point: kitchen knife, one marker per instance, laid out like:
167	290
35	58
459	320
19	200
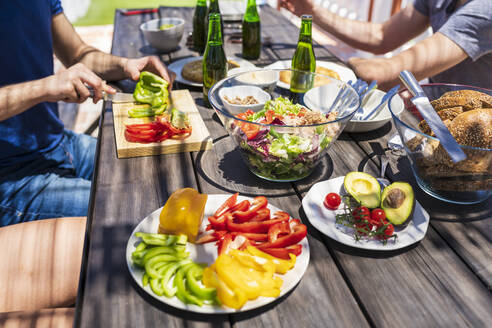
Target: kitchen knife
425	109
118	97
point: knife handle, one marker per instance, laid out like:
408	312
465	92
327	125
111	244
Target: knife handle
105	95
411	84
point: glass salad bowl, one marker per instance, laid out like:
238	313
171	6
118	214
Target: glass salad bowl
280	137
465	182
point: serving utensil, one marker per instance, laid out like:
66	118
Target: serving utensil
425	109
382	180
359	86
379	107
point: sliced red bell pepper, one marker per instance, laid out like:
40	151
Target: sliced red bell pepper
262	215
230	202
219	223
253	236
258	203
241	206
206	238
283	253
251	227
224	244
278	229
298	232
210	237
283	215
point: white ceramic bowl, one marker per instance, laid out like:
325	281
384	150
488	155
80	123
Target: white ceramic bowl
265	79
163	40
243	91
369	102
322	97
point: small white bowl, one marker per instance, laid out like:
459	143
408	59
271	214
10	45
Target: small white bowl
243	91
163	40
369	102
264	79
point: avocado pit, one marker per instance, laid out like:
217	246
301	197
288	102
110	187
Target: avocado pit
395	198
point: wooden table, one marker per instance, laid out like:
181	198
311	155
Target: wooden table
445	280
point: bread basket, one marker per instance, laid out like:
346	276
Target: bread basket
467	112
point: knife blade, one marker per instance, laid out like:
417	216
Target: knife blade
425	109
118	97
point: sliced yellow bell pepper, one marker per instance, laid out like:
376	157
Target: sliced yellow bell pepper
232	298
281	266
182	214
252	282
252	261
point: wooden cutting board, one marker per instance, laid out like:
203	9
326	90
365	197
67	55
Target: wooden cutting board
198	140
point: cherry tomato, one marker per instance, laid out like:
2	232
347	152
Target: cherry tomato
378	217
332	201
360	213
390	230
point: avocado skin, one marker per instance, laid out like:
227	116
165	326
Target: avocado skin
370	200
400	215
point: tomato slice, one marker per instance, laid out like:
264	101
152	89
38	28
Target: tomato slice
249	129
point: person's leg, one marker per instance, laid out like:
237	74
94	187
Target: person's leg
82	149
40	263
57	184
45	318
43	196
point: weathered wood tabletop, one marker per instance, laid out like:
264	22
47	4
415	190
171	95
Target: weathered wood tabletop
445	280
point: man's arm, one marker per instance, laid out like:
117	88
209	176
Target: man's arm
67	85
373	37
427	58
70	49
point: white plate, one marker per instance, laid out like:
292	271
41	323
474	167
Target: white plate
345	73
207	253
323	219
177	67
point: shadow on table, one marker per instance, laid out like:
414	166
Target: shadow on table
370	135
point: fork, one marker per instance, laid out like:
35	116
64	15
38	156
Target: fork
384	163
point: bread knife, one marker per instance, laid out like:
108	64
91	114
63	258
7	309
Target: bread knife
425	109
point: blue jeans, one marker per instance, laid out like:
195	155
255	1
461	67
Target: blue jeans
57	184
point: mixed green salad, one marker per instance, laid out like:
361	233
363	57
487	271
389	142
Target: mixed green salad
289	146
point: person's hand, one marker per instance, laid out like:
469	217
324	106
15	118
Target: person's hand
153	64
381	70
72	85
298	7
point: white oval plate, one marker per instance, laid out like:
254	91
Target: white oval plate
345	73
177	67
323	219
207	253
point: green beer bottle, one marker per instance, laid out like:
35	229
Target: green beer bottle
303	59
214	58
251	32
213	9
199	29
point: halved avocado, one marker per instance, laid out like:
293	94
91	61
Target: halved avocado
364	188
397	202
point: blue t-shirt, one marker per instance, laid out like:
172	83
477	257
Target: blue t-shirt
27	54
470	27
